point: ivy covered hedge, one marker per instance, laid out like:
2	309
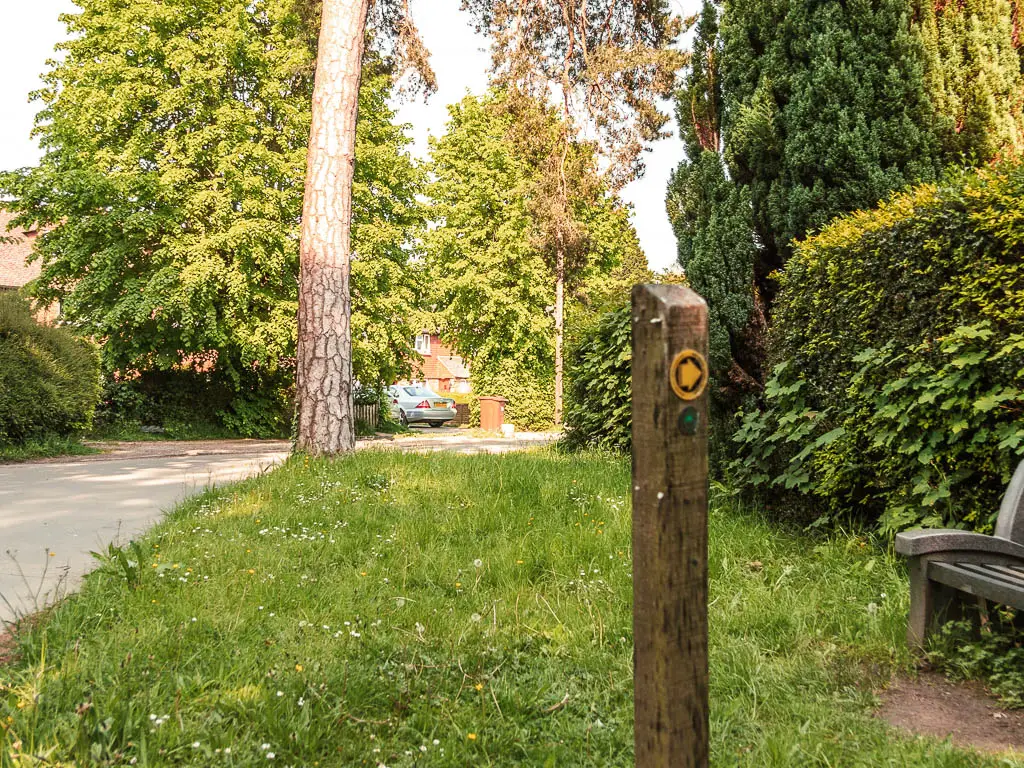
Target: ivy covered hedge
598	403
898	353
49	378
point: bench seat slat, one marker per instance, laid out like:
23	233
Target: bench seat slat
994	572
979	581
1002	572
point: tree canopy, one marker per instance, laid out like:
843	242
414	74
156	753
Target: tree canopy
793	112
492	282
175	139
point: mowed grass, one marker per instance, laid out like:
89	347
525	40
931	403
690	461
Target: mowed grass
404	610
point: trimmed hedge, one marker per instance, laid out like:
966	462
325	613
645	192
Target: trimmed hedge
530	394
49	378
898	353
598	407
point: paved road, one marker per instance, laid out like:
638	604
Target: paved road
71	508
53	513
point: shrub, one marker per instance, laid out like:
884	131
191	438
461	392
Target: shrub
530	394
598	411
898	390
49	378
188	404
994	654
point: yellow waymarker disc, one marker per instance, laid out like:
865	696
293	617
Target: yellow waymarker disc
689	375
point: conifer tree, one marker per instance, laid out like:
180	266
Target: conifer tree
974	75
711	217
825	110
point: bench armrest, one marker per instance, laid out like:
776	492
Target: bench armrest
927	542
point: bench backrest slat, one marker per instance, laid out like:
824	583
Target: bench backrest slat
1010	524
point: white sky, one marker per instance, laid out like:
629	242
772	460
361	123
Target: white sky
459	58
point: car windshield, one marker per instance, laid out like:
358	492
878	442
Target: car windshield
418	392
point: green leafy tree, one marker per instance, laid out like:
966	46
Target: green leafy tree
175	138
489	260
605	64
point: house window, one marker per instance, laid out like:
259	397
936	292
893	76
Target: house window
422	343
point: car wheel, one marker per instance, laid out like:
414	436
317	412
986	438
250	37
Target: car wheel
436	424
403	418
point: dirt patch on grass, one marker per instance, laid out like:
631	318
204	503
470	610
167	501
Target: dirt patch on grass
8	646
964	712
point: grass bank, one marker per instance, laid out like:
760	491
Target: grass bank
43	448
446	611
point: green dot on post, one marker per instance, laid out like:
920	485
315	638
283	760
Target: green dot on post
689	420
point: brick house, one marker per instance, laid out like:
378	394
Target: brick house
15	272
442	370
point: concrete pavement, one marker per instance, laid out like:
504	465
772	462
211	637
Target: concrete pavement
52	513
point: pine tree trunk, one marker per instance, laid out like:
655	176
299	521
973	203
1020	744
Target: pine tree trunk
326	423
559	331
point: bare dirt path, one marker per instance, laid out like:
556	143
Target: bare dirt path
54	511
965	713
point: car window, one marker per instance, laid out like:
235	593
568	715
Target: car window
420	392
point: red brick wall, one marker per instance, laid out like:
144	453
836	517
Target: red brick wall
430	368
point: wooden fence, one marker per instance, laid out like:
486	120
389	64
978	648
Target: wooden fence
368	414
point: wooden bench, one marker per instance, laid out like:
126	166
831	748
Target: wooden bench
945	565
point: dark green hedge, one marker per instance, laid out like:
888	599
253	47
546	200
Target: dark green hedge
188	404
598	408
49	379
898	354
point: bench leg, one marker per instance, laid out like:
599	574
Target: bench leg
923	594
931	602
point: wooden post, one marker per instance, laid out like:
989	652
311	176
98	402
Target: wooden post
670	527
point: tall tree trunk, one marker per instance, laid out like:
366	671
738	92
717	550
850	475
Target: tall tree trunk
326	423
559	330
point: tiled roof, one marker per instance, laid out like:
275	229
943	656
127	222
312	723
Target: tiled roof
14	272
455	366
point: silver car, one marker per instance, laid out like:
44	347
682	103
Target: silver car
416	403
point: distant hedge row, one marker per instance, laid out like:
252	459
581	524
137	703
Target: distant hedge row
898	354
530	392
49	379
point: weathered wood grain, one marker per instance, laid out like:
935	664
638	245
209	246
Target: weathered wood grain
670	535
